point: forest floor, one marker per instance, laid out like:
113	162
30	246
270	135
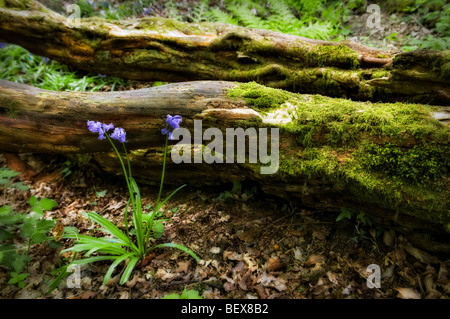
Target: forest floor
250	245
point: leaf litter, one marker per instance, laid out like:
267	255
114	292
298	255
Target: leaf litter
253	248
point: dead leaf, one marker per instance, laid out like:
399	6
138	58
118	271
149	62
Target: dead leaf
87	295
315	259
442	277
229	286
183	266
421	255
408	293
333	278
164	275
274	264
245	280
389	238
270	281
261	291
214	250
240	267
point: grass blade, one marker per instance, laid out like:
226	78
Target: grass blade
114	265
180	247
127	273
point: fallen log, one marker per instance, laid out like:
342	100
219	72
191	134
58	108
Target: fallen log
167	50
386	160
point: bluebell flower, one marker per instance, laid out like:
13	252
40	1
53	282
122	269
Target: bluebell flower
119	134
172	121
100	128
2	45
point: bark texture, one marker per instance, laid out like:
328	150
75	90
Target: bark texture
320	165
167	50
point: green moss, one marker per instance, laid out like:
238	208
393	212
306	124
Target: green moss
259	96
417	165
338	56
385	153
380	74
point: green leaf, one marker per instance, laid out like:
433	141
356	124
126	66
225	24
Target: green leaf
9	219
45	225
345	214
128	270
20	186
158	229
190	294
109	227
180	247
70	230
28	227
114	265
19	262
38	237
4	235
33	201
47	204
102	193
5	210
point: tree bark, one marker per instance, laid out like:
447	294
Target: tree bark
319	175
166	50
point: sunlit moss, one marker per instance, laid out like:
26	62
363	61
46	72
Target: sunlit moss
386	153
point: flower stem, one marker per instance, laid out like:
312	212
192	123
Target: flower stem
163	172
127	179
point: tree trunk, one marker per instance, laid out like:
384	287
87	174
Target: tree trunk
386	160
166	50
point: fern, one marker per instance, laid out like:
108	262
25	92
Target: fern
218	15
245	13
200	12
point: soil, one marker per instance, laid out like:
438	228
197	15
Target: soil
250	245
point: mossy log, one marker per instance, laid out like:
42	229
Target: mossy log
167	50
389	160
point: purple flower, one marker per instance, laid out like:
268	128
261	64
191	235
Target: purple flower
119	134
172	121
166	131
2	45
100	128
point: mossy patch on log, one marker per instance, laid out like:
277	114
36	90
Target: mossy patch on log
392	154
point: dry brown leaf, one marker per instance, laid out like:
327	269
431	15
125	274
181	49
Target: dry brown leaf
261	291
183	266
229	286
334	278
315	259
421	255
274	264
270	281
408	293
87	295
389	238
164	275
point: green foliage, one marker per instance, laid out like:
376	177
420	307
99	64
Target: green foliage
19	65
19	231
418	165
6	181
345	214
132	245
186	294
18	279
304	18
